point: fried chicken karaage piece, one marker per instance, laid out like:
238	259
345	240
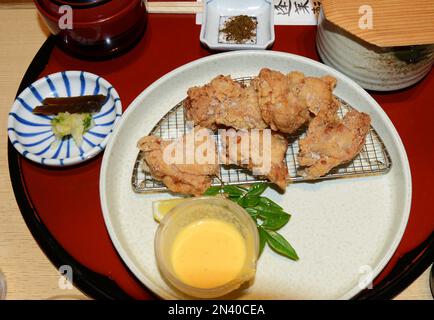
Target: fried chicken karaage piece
280	107
314	93
287	102
186	165
331	141
261	151
226	102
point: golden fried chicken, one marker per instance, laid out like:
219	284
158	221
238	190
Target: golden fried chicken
316	94
185	165
280	107
224	102
261	151
331	141
242	112
288	101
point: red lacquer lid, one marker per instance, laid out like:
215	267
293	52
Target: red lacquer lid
97	28
88	11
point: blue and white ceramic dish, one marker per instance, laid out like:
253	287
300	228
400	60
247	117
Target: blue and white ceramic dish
32	135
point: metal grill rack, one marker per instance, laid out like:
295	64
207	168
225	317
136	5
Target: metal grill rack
372	160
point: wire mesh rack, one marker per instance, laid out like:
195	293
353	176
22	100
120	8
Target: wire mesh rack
372	160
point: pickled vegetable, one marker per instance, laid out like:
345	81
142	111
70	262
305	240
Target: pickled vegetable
74	124
81	104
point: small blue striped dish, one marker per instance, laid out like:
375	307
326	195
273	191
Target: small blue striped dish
32	134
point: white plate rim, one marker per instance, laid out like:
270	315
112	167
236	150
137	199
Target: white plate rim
386	121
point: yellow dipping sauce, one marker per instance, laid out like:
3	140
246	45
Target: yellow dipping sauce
208	253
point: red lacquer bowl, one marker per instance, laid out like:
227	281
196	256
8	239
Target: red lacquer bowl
94	28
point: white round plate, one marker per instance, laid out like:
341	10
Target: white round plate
345	231
32	134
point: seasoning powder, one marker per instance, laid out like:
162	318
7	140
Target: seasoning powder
238	29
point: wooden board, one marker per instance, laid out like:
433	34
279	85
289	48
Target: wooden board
17	4
395	22
177	7
29	274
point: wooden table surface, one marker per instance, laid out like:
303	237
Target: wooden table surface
29	274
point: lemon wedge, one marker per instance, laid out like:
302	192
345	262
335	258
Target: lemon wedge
162	207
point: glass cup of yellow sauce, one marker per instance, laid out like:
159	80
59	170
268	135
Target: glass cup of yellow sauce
207	247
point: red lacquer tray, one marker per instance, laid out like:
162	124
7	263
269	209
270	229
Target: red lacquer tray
72	232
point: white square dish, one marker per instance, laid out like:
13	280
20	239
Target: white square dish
216	12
